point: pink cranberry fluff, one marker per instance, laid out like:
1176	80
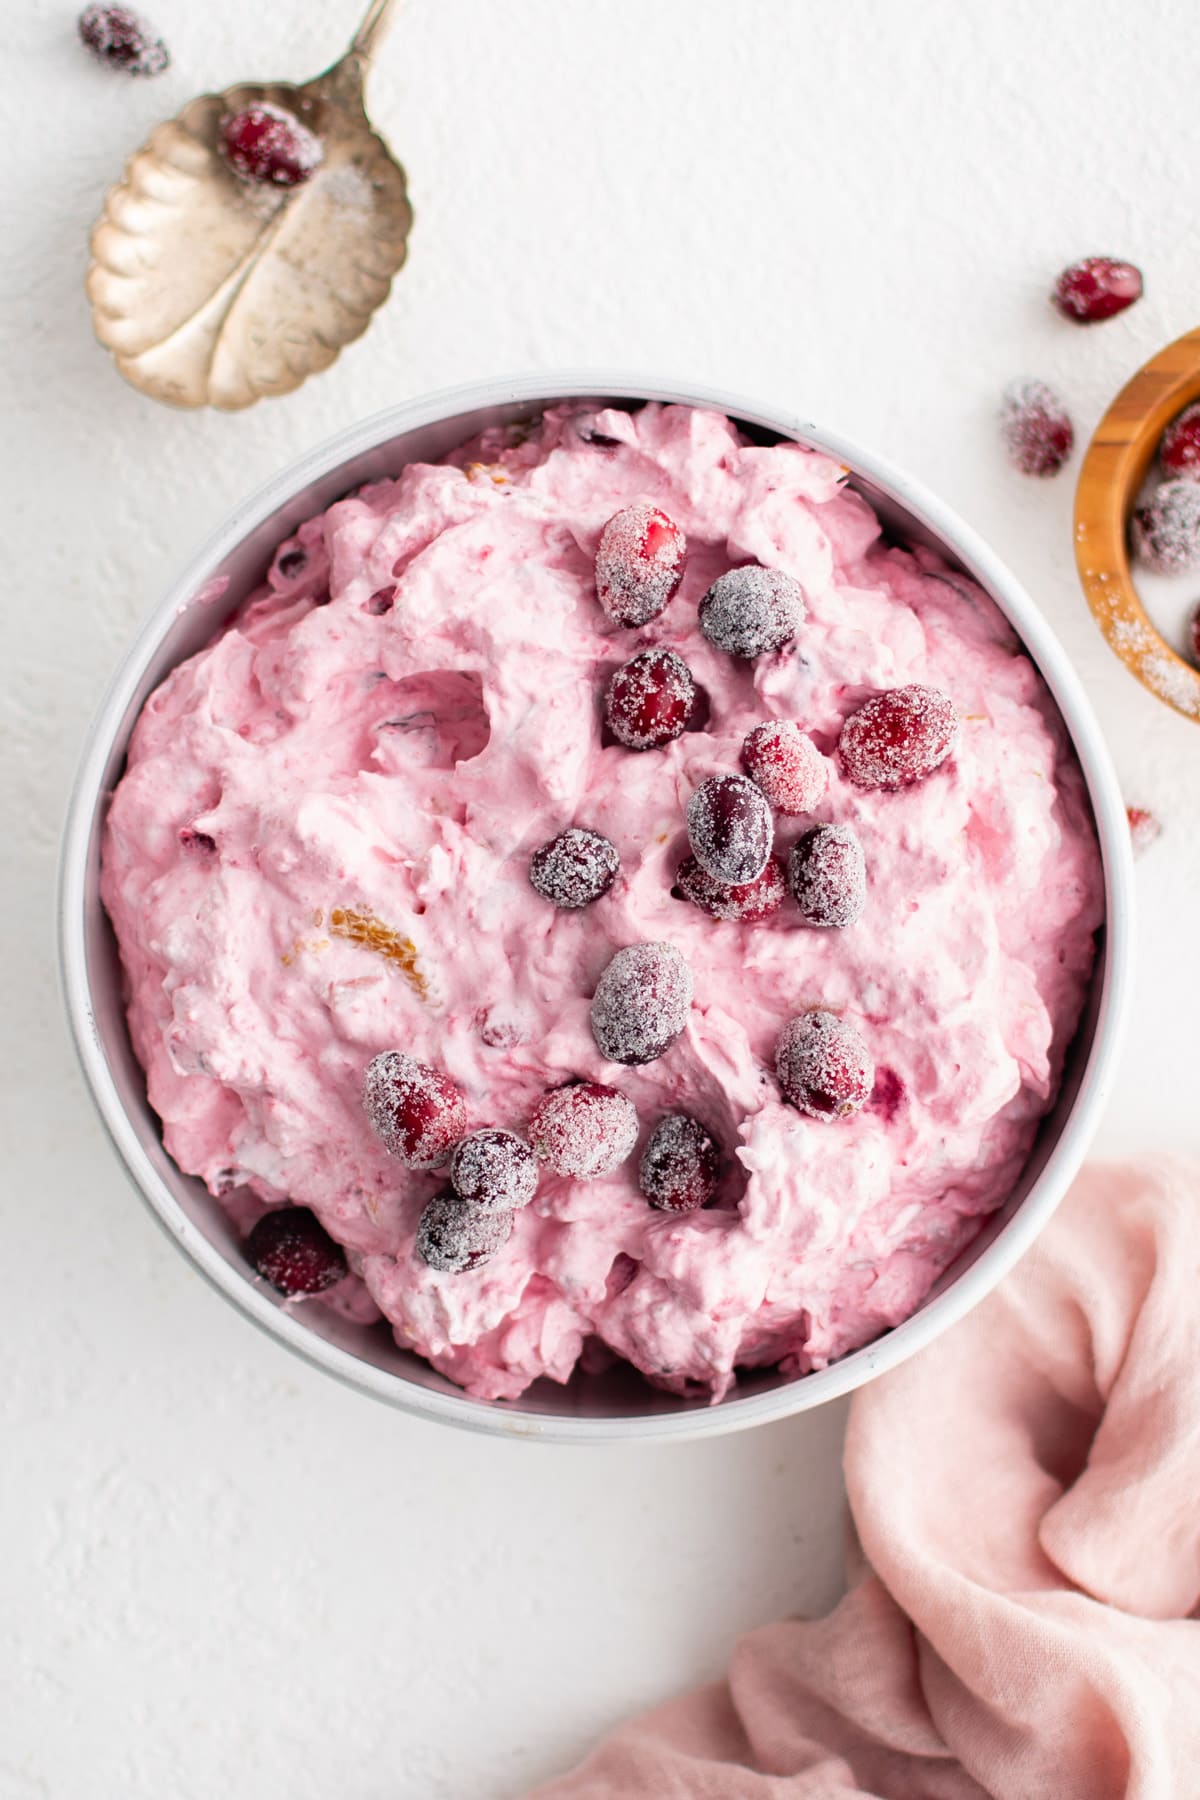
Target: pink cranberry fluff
639	563
268	146
417	1114
823	1066
1097	288
786	764
1036	428
1179	452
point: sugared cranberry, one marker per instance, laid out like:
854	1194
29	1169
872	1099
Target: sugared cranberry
418	1114
120	37
454	1236
1096	288
1194	634
574	868
751	611
1179	452
381	601
785	763
584	1130
823	1066
292	1250
1166	531
650	700
1144	828
730	828
827	874
680	1165
1036	428
639	564
494	1170
746	901
267	144
898	737
641	1002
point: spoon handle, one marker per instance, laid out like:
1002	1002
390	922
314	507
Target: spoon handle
377	19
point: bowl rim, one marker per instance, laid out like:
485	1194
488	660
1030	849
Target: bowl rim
735	1413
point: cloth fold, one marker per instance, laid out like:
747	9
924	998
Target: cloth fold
1026	1495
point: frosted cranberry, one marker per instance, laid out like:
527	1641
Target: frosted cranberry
751	611
1166	531
1144	828
639	563
267	145
650	700
1194	633
584	1130
120	37
418	1114
292	1250
747	901
823	1066
574	868
827	874
494	1170
786	765
1096	288
898	737
454	1236
1036	428
1179	452
730	828
680	1165
641	1003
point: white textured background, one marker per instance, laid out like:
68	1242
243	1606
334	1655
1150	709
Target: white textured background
223	1575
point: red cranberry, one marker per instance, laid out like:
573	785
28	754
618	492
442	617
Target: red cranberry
417	1113
730	828
1037	430
823	1066
292	1250
454	1236
639	564
680	1165
747	901
898	737
1179	452
1096	288
191	839
827	874
786	765
120	37
574	868
292	564
641	1003
381	601
751	611
494	1170
1166	531
264	143
584	1130
650	700
1144	828
1194	633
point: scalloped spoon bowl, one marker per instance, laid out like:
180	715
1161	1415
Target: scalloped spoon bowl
214	291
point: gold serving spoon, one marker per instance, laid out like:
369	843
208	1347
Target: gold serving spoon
213	291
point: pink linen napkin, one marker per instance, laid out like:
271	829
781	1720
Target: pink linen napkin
1027	1499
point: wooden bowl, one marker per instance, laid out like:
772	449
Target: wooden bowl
1114	468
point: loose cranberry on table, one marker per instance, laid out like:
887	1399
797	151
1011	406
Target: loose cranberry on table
495	1170
1036	428
680	1165
418	1114
747	902
641	1003
823	1066
650	700
1166	531
292	1250
639	563
1144	828
454	1236
827	874
1179	452
785	763
751	611
730	828
267	145
1097	288
584	1130
898	737
574	868
124	39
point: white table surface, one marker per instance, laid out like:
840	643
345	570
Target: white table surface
223	1574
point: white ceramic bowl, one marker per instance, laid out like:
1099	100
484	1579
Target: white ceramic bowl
617	1405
